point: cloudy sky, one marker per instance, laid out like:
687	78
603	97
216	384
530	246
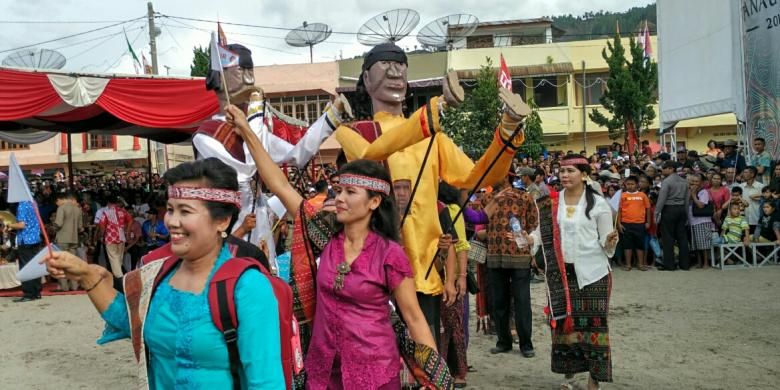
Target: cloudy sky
106	50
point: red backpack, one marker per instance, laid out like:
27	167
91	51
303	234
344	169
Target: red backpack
223	310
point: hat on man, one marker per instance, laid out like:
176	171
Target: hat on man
670	164
384	52
730	142
609	175
526	171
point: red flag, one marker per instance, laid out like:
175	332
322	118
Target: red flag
648	48
221	35
147	66
631	140
504	78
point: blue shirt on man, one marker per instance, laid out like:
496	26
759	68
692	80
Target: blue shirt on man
31	234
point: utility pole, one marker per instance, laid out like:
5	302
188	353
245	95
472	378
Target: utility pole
584	114
153	54
152	37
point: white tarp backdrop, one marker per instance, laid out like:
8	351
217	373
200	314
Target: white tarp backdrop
761	23
699	59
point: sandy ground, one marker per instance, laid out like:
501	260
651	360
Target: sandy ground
669	330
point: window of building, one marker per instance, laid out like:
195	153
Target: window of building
545	91
10	146
100	141
312	111
287	109
518	87
502	40
300	111
596	85
305	108
479	41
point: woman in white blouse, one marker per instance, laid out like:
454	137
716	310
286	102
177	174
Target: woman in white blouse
585	241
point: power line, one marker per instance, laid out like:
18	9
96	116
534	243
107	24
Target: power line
71	35
183	25
608	34
124	51
95	38
58	21
108	38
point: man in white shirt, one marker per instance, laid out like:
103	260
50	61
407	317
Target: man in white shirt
751	193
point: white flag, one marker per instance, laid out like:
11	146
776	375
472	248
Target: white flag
34	269
221	57
18	191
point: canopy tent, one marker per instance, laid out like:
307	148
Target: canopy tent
164	109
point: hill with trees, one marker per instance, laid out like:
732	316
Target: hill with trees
602	24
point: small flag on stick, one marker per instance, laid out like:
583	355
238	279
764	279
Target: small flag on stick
221	58
136	62
504	77
19	191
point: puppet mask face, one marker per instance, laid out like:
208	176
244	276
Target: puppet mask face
386	82
240	82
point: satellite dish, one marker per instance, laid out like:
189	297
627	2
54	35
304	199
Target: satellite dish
444	32
391	26
35	59
308	35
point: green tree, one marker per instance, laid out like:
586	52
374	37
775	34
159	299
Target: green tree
631	90
534	138
200	62
471	126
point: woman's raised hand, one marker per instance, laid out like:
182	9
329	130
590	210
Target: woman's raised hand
236	117
65	265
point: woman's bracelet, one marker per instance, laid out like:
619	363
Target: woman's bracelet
103	276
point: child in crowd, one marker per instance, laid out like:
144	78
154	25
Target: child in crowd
736	198
768	229
767	196
633	222
735	227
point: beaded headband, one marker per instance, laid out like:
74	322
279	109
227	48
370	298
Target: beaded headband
206	193
575	161
366	182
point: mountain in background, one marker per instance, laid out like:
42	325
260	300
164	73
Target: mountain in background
601	24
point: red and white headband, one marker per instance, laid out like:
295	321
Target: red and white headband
368	183
205	193
575	161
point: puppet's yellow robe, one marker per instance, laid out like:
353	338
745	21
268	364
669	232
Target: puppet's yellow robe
403	144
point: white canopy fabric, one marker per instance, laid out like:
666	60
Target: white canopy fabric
700	59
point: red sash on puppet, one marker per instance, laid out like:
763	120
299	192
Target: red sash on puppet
370	130
223	132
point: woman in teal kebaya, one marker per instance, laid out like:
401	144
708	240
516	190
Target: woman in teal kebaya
176	344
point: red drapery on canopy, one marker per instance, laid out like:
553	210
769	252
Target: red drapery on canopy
166	109
161	108
25	94
161	103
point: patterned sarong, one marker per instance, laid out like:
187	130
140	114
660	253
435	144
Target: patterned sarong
586	349
556	283
453	338
425	364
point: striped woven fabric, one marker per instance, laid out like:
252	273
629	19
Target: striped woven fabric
425	364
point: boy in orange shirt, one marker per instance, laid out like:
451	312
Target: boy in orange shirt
633	222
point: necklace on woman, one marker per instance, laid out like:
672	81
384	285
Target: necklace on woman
343	269
570	211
